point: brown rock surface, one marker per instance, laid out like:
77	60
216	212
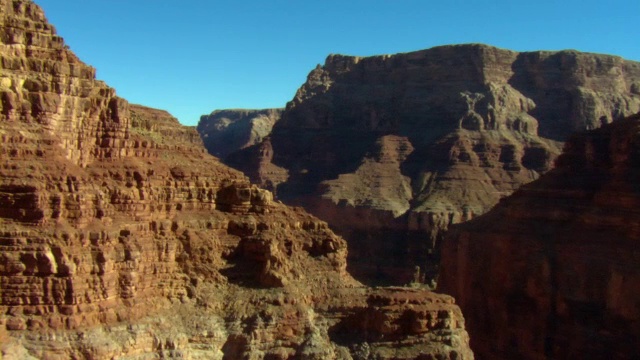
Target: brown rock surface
227	131
257	163
159	124
392	149
121	238
553	271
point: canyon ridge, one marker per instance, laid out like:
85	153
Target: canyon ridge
391	150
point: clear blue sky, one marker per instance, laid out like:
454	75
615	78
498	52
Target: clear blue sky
193	56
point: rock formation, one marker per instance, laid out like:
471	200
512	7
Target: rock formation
227	131
121	238
552	272
160	124
390	150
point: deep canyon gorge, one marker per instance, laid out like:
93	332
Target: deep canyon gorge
320	230
391	150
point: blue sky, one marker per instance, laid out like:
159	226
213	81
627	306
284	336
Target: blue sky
191	57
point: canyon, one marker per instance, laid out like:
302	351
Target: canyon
552	271
508	179
121	237
391	150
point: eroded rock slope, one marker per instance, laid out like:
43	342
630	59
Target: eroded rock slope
553	271
226	131
120	237
391	150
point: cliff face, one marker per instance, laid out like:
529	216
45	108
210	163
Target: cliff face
396	148
552	271
120	237
227	131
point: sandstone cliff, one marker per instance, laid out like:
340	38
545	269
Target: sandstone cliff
552	272
227	131
121	238
391	150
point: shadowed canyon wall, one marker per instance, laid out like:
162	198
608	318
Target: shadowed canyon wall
226	131
120	237
391	150
552	271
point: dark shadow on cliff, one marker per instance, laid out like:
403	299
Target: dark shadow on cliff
243	272
317	155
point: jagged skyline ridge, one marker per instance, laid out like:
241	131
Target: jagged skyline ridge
196	56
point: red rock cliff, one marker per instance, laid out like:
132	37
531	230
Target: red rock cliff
553	272
392	149
120	237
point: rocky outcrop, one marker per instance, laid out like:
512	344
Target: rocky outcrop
397	323
227	131
552	271
160	125
391	150
121	238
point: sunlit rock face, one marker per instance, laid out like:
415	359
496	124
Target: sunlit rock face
391	150
120	237
552	271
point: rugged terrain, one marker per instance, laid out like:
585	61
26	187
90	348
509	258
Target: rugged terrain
391	150
226	131
552	271
120	237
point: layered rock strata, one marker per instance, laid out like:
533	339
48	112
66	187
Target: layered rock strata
162	125
120	237
552	272
391	150
227	131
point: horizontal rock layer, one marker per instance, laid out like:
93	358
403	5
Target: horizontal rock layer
552	271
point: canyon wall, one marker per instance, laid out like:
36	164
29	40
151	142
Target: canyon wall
552	271
227	131
120	237
391	150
